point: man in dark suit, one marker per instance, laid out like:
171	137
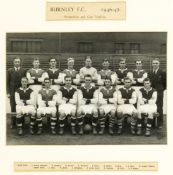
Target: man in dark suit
14	76
158	80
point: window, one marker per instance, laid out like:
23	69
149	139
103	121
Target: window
134	48
163	49
26	45
119	48
85	47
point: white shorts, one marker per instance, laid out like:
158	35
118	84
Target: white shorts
29	109
88	109
126	109
107	108
67	108
147	109
46	110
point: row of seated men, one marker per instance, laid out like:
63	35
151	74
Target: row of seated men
36	77
98	103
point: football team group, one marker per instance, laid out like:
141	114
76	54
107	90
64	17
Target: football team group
103	99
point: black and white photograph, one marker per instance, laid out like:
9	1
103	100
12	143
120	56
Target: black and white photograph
86	88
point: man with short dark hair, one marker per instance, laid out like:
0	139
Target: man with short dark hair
36	77
88	70
47	105
122	71
127	98
108	105
158	82
147	97
138	74
24	98
14	76
106	73
54	74
67	101
88	99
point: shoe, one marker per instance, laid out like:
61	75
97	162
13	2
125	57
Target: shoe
120	130
61	131
111	132
160	126
39	131
13	123
73	130
31	131
147	133
102	130
94	130
81	130
132	130
12	126
53	132
139	131
20	131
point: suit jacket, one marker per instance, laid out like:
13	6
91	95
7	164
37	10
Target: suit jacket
158	80
14	79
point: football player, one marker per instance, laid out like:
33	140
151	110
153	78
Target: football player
88	70
70	71
146	105
138	75
24	98
127	98
88	99
106	73
122	71
36	76
47	105
53	74
108	104
67	101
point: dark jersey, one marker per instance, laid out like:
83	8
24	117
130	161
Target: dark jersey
105	73
147	95
35	74
53	74
126	94
47	96
88	93
108	93
67	93
24	95
71	73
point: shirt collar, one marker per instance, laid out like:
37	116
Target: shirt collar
87	88
47	89
16	68
53	69
123	69
23	89
69	70
156	70
139	70
148	90
109	88
68	89
126	89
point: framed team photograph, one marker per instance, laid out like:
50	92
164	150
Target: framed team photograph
86	88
